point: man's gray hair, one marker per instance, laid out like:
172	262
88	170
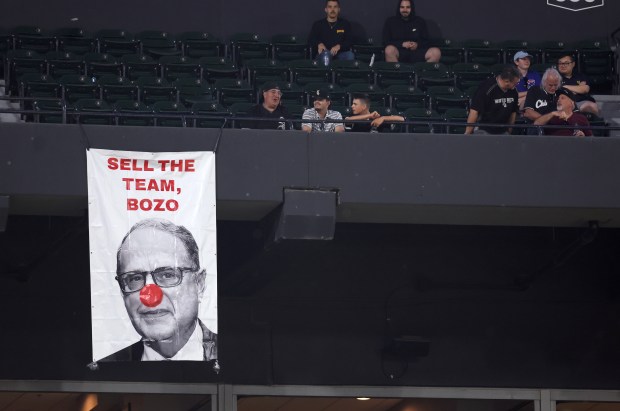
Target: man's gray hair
166	226
550	72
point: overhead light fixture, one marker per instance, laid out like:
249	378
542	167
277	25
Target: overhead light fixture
363	398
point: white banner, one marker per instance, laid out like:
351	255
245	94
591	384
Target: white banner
153	262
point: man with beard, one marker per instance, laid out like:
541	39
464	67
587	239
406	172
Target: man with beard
565	115
321	111
405	37
270	108
332	36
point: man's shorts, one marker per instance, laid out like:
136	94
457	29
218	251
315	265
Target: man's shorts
411	56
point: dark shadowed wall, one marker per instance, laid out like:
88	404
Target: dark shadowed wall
527	19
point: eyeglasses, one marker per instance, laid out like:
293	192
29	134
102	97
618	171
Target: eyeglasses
564	63
133	281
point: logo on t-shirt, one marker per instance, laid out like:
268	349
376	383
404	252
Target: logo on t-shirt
576	5
504	101
541	103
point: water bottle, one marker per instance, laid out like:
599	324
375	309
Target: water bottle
374	130
281	124
372	60
326	58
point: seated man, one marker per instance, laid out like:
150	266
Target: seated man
405	37
529	78
565	115
375	121
331	37
321	111
578	84
495	102
542	100
270	108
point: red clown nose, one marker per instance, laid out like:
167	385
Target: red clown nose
151	295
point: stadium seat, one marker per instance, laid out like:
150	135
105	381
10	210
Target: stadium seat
135	66
18	63
117	42
259	71
76	87
451	52
32	38
197	44
60	63
483	52
445	97
50	111
403	97
214	68
153	89
229	91
387	74
347	72
93	111
432	74
175	67
470	74
286	47
552	50
170	114
365	50
432	122
133	113
455	115
210	115
308	71
113	88
157	44
75	40
596	61
100	64
191	91
247	46
510	47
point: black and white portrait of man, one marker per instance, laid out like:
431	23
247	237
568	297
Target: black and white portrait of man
162	285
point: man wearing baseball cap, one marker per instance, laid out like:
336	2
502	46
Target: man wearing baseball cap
565	115
529	78
270	108
320	113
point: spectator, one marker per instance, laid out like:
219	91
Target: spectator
361	111
495	102
578	84
565	115
269	108
331	37
542	99
321	111
529	78
405	37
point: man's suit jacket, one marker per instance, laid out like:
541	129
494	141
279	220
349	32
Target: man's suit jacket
134	351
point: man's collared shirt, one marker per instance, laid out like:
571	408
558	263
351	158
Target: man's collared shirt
312	114
191	351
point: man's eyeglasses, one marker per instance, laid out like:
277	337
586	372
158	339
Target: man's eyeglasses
163	276
564	63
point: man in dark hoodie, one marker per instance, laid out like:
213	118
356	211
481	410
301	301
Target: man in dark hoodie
405	37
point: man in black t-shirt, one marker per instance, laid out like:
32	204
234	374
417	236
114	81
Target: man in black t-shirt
270	108
495	102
